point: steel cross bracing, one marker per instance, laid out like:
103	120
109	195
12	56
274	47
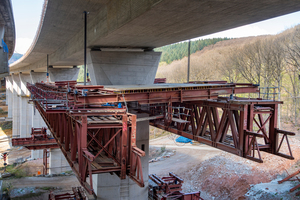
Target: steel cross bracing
241	126
96	133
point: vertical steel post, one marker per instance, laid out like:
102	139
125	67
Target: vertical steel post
47	74
85	27
189	55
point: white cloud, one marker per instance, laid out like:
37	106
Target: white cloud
22	45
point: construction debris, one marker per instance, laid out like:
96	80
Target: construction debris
78	194
288	178
169	188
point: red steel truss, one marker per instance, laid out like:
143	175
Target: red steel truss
244	127
96	133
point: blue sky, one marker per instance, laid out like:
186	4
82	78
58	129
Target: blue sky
27	17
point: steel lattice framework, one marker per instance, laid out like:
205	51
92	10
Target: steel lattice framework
96	132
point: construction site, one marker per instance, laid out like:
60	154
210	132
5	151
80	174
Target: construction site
87	113
101	135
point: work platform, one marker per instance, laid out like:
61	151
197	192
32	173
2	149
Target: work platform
95	128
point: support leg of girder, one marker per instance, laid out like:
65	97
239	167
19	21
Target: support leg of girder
107	186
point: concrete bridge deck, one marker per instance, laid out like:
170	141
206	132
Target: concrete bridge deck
135	24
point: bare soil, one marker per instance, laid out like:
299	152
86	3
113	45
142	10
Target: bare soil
220	175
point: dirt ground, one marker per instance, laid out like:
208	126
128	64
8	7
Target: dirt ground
41	186
220	175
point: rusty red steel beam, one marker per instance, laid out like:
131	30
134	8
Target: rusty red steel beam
209	122
93	143
32	144
78	98
169	187
82	141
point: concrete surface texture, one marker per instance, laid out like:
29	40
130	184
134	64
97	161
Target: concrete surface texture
25	116
136	23
7	20
37	120
122	68
38	77
4	70
107	186
16	105
63	74
9	93
57	162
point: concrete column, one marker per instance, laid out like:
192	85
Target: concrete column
16	105
37	77
107	186
25	107
2	31
63	74
57	162
37	120
122	68
4	70
9	93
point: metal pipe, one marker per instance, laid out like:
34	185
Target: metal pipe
47	74
85	27
189	54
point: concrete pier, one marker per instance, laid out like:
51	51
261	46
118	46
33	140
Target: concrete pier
122	68
25	107
63	74
16	105
9	97
58	162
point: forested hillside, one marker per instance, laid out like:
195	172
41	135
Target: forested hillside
270	61
14	58
180	50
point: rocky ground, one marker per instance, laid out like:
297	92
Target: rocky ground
220	175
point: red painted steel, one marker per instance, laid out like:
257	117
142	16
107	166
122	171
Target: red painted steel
96	133
38	140
288	178
233	125
169	187
77	194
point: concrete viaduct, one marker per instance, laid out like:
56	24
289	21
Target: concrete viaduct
7	36
121	35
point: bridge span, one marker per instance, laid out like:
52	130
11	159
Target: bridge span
135	24
121	36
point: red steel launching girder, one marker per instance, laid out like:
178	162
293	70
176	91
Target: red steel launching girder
95	132
233	125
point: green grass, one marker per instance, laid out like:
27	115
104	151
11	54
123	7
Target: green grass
47	188
28	196
6	125
16	171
